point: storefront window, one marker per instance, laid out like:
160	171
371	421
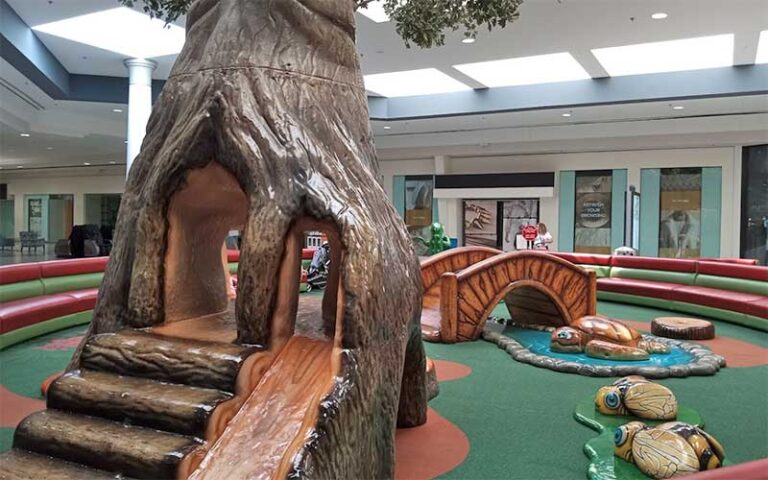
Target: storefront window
680	213
481	223
517	214
418	208
592	233
754	203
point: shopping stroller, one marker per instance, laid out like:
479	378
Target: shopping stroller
317	274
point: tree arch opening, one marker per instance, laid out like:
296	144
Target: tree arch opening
200	215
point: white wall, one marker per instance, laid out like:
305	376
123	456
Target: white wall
76	185
725	157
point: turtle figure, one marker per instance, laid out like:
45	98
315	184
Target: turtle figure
601	337
635	395
669	449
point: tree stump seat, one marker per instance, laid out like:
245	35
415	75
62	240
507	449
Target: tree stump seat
682	328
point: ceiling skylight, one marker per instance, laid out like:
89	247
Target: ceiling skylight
669	56
375	11
427	81
554	67
120	30
762	48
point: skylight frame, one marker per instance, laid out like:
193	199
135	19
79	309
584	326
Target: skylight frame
119	30
375	12
680	55
531	70
411	83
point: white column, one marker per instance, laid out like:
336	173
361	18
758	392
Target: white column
139	105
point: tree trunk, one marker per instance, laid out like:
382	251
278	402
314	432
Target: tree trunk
271	90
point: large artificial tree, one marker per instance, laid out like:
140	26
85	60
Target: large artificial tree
263	125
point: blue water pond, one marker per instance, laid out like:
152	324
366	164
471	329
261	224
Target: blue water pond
538	342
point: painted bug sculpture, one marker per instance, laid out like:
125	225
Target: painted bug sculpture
668	450
635	395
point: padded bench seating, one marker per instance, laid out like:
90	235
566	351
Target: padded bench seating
28	311
729	290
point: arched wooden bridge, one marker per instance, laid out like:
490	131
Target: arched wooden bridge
462	286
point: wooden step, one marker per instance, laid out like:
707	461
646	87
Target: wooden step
167	359
22	465
166	406
103	444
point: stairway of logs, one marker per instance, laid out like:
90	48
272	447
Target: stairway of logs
138	407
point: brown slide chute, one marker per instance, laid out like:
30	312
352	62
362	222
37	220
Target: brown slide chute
262	125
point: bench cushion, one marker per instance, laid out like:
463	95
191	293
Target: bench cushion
654	275
732	284
72	282
747	272
22	313
19	273
632	286
585	258
747	303
652	263
19	290
60	268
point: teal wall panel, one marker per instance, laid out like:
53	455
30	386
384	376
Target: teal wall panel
711	200
566	211
398	194
618	207
650	190
435	211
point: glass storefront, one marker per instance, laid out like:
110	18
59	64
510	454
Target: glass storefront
754	203
418	208
680	213
516	215
593	203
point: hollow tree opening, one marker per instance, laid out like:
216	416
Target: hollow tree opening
314	316
200	215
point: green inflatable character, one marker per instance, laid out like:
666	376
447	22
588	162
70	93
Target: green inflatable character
438	242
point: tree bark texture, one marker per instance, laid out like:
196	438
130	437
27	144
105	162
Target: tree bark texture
272	91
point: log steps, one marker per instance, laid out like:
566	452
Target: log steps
137	407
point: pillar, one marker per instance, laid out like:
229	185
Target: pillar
139	105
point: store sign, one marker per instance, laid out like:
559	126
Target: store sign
530	232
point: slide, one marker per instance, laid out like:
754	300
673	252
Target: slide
263	437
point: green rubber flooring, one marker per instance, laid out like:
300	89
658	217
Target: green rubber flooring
518	418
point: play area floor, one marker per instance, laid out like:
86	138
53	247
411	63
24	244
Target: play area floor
494	418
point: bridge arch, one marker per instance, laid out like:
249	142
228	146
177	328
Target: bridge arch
468	297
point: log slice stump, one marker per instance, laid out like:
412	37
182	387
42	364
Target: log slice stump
683	328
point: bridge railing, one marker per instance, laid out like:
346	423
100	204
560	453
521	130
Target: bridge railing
452	260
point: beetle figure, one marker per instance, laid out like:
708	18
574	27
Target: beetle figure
635	395
669	449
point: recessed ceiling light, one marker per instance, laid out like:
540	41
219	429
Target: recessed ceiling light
117	110
375	11
121	30
387	127
426	81
24	134
19	166
468	40
678	107
554	67
86	163
125	141
566	114
659	16
49	148
668	56
112	162
762	48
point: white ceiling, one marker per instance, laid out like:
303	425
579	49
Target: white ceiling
81	132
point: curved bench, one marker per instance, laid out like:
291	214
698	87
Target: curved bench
732	291
43	297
